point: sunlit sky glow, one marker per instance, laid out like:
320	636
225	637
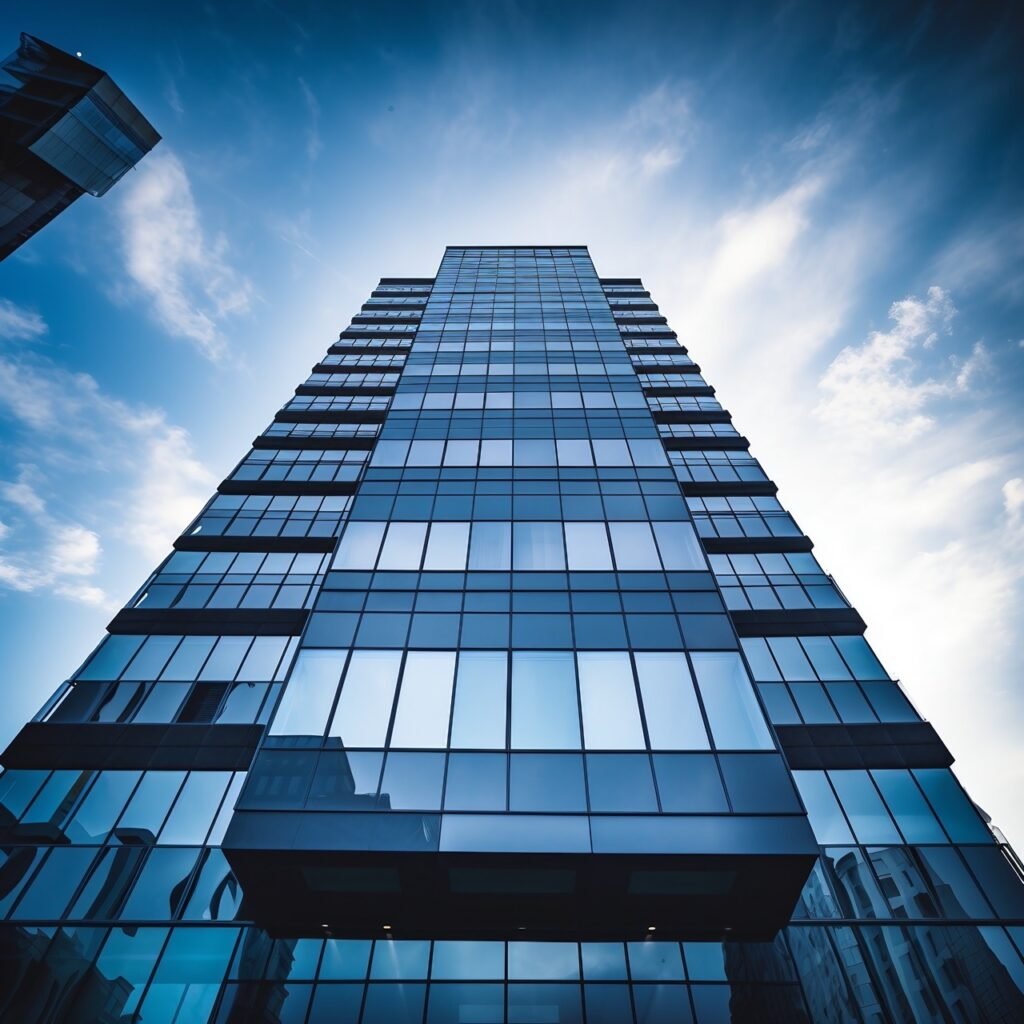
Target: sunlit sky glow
825	200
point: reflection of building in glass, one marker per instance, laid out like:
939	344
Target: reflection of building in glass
65	130
496	684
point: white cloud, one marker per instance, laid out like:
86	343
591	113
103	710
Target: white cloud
1013	501
754	241
169	490
874	391
73	431
20	324
74	550
187	277
50	554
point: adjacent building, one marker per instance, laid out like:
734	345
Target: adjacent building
65	130
496	684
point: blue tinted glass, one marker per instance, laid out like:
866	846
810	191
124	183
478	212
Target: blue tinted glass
226	657
546	782
345	959
689	783
309	694
394	958
823	809
469	961
560	1002
478	718
705	961
394	1004
148	807
954	810
758	783
188	659
128	957
603	961
607	1004
105	801
670	703
476	782
620	782
762	665
346	780
456	1003
152	657
110	659
860	657
336	1004
824	658
51	889
412	781
611	717
911	811
868	816
655	961
159	888
545	713
662	1004
791	658
17	788
194	810
543	961
736	719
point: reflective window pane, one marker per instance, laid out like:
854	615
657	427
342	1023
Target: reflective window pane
736	719
367	694
309	693
611	718
674	720
481	689
424	700
545	713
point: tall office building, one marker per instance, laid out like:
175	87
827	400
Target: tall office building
495	684
65	129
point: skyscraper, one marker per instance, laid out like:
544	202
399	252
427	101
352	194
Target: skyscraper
495	683
65	129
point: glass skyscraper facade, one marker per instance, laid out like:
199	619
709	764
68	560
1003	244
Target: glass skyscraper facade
496	684
65	130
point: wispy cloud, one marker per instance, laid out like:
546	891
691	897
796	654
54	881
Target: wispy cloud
186	275
661	122
314	143
20	324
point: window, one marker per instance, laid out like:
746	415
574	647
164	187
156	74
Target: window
478	719
367	694
611	717
674	720
538	546
587	546
545	713
733	712
634	546
359	546
309	694
424	701
446	549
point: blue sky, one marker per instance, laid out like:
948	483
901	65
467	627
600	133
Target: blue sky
826	201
